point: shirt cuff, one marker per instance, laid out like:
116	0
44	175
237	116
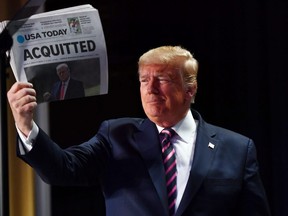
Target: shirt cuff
27	142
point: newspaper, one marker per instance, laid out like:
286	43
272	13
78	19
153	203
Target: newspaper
59	45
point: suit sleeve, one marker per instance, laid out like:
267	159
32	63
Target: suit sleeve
78	165
254	201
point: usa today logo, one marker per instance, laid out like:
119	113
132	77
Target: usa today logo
20	39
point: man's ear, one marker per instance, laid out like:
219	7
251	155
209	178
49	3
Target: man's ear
191	91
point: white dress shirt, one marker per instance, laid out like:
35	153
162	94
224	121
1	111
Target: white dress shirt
29	140
184	145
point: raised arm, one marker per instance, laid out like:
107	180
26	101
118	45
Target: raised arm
22	100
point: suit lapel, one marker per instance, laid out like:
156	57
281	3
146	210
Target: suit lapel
205	149
149	147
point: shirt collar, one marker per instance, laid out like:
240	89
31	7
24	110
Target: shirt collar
185	129
67	81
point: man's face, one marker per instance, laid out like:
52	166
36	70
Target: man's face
164	97
63	73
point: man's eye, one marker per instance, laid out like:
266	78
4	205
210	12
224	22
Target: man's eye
163	80
143	80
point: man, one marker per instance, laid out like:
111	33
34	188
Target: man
66	87
215	172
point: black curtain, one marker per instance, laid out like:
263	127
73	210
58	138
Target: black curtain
242	49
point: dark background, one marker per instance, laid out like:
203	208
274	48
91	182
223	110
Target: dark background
242	50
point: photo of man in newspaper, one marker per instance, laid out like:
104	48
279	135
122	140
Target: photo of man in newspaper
66	87
65	80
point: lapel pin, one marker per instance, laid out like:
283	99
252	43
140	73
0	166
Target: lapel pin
210	145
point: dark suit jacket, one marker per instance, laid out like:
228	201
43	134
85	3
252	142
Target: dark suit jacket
75	89
125	155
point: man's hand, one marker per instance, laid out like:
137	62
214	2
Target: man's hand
22	100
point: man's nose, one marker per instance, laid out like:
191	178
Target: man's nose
152	87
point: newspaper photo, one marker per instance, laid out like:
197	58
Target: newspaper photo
62	52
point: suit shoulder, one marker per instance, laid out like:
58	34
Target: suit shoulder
76	82
218	131
227	134
230	141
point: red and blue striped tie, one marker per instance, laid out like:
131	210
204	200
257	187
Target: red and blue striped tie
169	160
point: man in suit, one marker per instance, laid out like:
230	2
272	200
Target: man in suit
215	171
66	87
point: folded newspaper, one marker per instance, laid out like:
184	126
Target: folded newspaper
62	52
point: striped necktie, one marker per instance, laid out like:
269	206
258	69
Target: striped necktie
169	160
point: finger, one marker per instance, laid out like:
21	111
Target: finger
22	98
25	102
19	85
28	93
20	90
15	91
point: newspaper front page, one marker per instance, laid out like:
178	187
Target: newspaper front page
62	52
